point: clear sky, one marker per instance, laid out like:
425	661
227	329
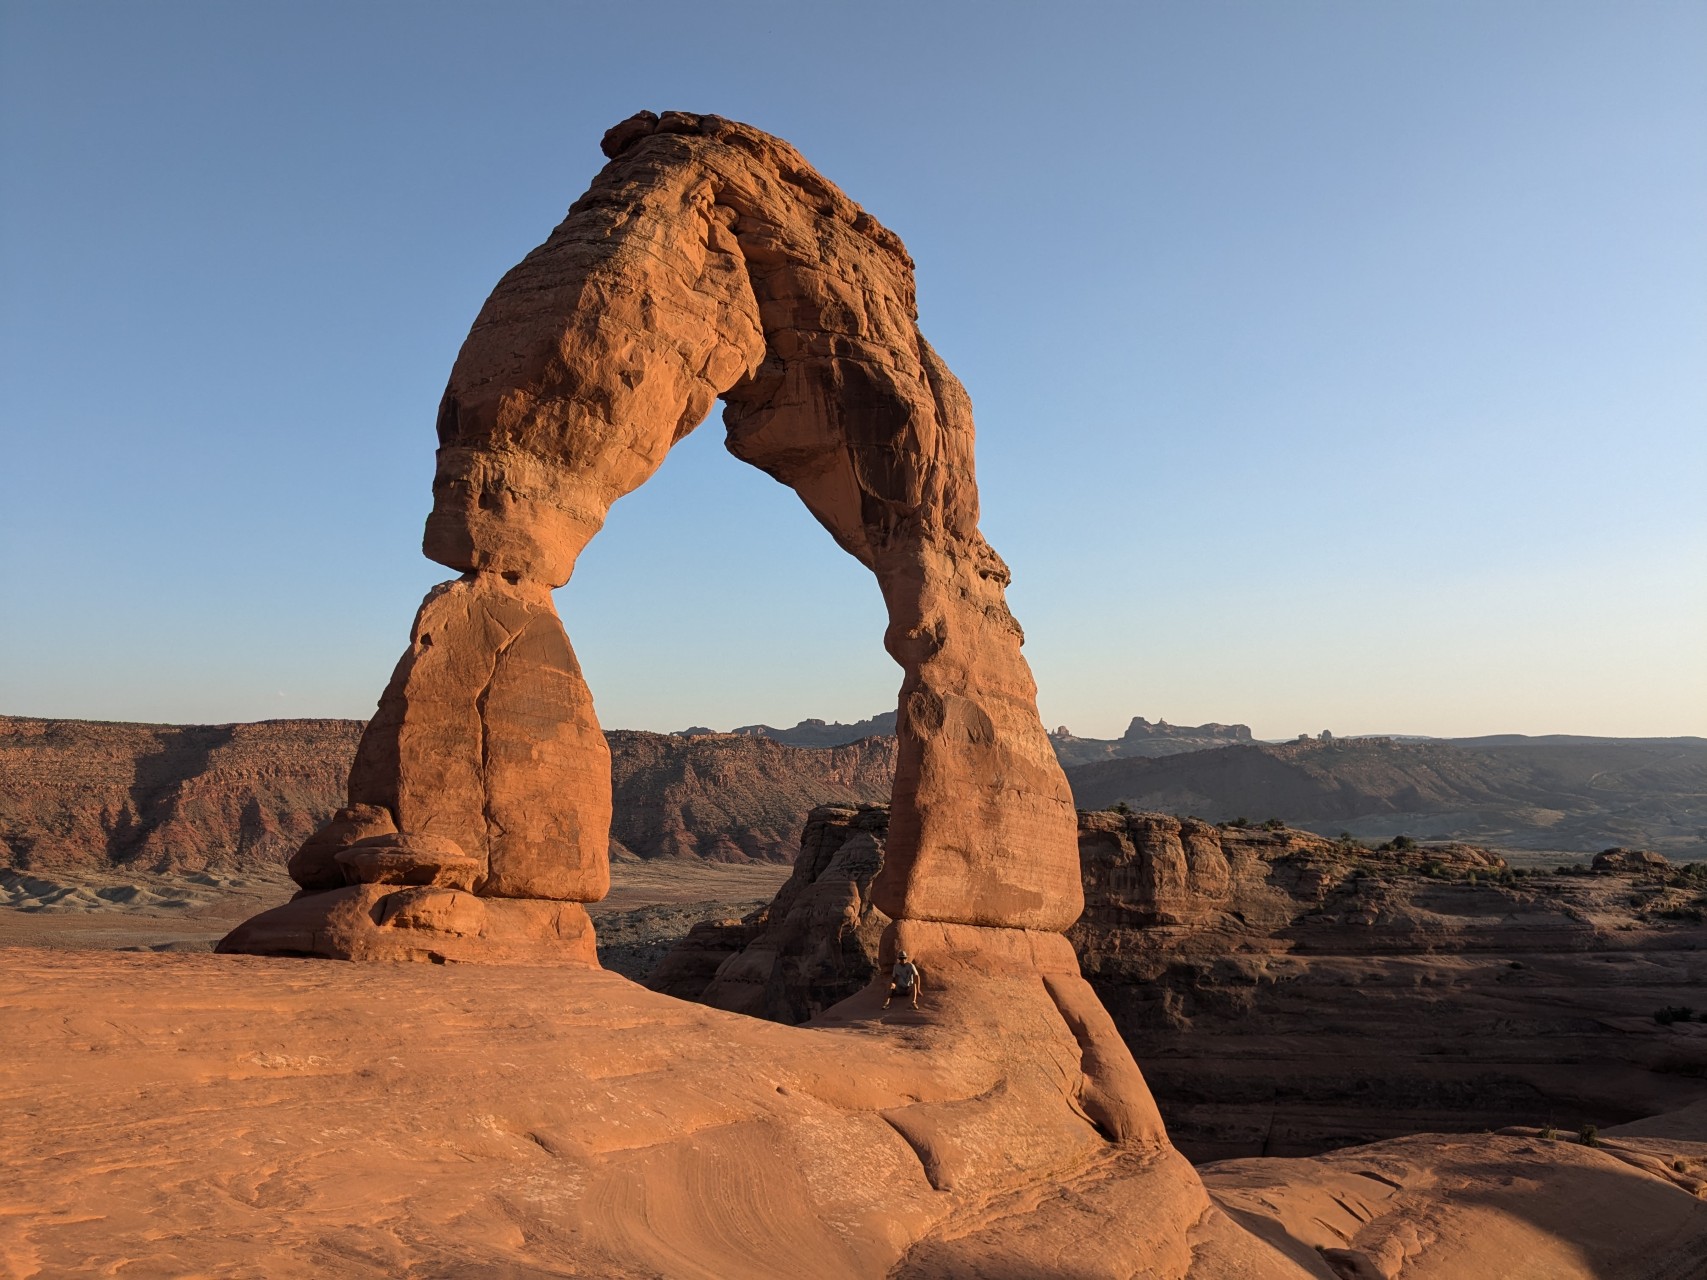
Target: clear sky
1336	364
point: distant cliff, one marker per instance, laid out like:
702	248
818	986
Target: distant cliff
1143	739
1561	792
817	733
732	798
79	794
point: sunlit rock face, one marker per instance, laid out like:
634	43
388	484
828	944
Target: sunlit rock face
708	260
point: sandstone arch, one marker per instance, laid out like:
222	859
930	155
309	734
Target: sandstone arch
707	260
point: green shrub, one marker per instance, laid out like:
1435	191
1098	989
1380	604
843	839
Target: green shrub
1673	1013
1589	1136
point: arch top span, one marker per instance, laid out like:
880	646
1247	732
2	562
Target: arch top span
708	261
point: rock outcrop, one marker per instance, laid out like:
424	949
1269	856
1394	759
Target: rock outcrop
1290	994
814	945
1640	861
1145	739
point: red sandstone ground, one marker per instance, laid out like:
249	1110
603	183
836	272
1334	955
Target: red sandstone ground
233	1116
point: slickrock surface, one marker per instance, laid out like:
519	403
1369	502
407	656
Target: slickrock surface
1513	1205
234	1116
1287	994
243	1116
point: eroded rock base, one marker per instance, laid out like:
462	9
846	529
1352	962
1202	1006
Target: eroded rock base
423	923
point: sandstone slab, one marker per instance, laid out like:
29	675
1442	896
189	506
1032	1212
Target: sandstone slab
411	859
422	924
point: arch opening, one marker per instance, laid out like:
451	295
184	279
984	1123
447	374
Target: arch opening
706	262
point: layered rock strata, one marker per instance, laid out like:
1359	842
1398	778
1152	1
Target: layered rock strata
81	795
91	797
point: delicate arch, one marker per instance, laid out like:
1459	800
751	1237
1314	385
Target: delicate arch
708	260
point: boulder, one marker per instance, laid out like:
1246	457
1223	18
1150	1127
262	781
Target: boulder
1640	861
315	864
411	859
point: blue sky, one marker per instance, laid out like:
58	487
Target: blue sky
1335	364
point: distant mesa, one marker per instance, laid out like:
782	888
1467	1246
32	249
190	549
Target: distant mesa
1143	739
811	733
1567	793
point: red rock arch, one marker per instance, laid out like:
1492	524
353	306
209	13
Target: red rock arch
707	260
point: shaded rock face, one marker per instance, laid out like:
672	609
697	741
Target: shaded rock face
734	798
1290	994
815	944
709	261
